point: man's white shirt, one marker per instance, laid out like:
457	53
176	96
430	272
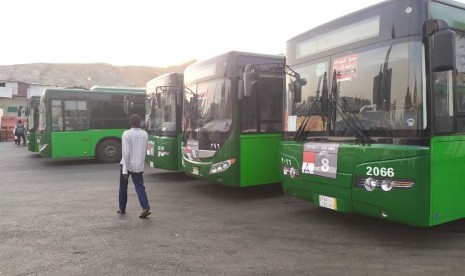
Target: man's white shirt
134	149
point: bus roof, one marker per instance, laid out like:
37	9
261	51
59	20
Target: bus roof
217	66
169	79
233	54
116	88
381	22
98	91
356	14
163	79
166	76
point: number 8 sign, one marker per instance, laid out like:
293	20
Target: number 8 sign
320	159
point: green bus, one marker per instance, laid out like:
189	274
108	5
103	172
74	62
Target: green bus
379	128
231	137
32	113
163	121
80	123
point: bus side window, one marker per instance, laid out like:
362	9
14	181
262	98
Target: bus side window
461	102
76	115
443	102
57	117
249	112
270	104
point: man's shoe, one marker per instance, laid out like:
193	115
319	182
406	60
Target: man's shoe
145	213
121	212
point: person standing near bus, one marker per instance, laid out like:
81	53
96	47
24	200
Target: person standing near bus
20	130
134	148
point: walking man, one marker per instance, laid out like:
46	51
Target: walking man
134	148
20	130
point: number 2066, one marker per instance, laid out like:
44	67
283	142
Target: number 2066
380	171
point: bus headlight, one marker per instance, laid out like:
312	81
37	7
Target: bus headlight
291	171
286	170
221	166
386	185
370	183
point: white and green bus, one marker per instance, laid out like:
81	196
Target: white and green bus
231	134
80	123
379	128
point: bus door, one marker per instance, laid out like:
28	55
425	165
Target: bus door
70	129
448	143
261	126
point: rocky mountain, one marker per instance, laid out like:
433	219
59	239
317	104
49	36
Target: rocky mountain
85	75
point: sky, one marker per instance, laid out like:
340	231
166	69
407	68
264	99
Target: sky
156	33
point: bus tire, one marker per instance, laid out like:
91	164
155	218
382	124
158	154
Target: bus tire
109	151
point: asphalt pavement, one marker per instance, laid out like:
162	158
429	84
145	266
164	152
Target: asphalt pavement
59	218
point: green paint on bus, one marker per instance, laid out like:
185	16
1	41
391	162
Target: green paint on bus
163	121
79	123
378	126
231	133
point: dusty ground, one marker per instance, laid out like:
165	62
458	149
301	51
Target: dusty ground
58	218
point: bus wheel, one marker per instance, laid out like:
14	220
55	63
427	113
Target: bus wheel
109	151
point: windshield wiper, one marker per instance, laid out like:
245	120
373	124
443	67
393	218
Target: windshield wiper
349	118
318	102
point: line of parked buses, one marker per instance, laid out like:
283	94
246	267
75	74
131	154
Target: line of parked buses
363	114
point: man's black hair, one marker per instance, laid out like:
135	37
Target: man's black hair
135	120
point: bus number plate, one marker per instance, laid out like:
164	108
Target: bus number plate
195	170
328	202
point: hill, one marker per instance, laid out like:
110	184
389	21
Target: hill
85	75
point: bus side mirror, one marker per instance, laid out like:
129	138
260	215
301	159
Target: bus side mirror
158	102
126	104
148	106
178	95
248	78
240	90
443	51
442	46
297	88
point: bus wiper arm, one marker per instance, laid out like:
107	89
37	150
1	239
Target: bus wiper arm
351	121
312	111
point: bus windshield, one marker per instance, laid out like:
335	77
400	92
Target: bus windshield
378	91
210	106
162	116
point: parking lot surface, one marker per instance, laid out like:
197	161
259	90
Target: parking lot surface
59	218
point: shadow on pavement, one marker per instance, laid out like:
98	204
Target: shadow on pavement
236	193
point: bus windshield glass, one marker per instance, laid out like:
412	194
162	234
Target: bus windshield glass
209	107
162	117
378	90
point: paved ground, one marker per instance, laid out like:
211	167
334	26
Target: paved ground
58	218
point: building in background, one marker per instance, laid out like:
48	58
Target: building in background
13	101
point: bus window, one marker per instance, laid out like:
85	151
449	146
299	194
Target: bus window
75	113
270	104
442	92
460	55
309	109
249	112
57	118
